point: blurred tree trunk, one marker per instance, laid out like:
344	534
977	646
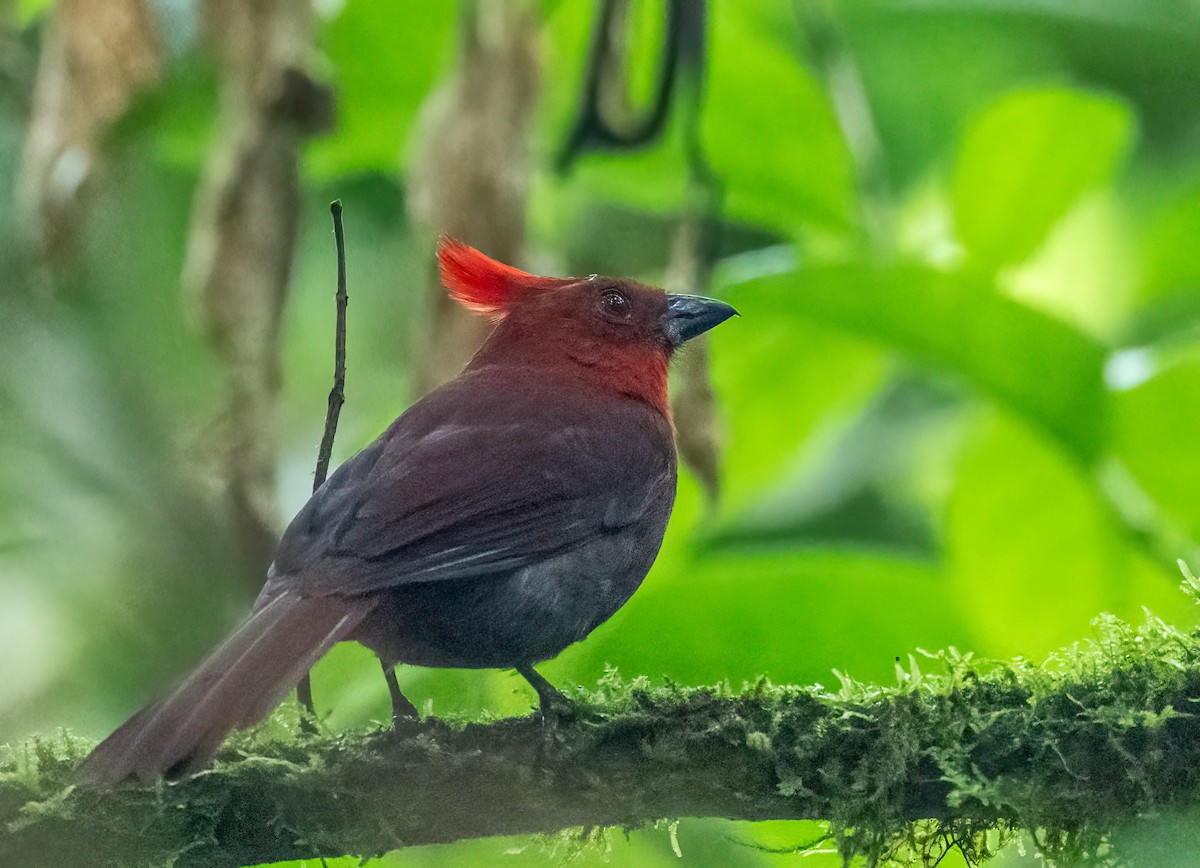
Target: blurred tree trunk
243	236
470	175
698	430
95	58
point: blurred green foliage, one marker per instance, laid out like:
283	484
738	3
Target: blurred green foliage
959	405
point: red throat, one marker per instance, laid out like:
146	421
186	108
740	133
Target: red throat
640	374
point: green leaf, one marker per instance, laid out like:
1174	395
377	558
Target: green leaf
966	61
864	479
777	146
784	614
1033	552
383	73
1046	371
1155	436
774	398
1026	160
1171	254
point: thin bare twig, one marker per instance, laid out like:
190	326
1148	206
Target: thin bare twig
337	397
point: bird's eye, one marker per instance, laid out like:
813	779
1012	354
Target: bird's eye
614	304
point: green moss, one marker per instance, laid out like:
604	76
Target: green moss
959	753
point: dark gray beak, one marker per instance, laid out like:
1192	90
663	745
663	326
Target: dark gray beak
690	315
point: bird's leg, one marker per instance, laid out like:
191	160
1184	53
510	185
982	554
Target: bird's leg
401	708
549	699
308	712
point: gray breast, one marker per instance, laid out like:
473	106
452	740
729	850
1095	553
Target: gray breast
522	616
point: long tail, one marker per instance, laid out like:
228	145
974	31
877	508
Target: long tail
236	686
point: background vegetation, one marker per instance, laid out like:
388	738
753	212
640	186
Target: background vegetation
959	408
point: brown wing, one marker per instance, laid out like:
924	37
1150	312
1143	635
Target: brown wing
480	477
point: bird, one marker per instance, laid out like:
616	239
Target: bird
498	520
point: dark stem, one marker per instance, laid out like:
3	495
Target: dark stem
682	57
337	397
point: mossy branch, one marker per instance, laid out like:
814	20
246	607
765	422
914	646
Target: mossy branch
956	754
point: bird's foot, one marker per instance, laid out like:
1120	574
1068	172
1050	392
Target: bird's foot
405	727
556	710
558	713
404	717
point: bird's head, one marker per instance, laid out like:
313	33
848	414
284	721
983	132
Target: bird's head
621	331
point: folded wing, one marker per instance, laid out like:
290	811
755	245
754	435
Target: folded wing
450	491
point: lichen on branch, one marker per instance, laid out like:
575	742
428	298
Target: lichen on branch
958	753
